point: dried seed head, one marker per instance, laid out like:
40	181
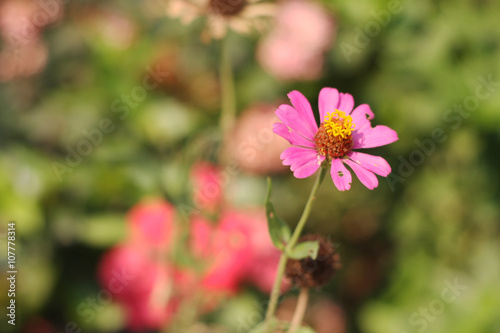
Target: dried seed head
226	7
307	273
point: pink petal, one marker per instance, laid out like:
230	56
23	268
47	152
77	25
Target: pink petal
373	137
340	175
372	163
308	168
346	103
303	161
291	136
366	177
293	120
295	155
309	158
303	107
327	102
361	117
330	99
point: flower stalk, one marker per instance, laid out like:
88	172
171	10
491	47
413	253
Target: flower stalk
273	301
228	99
300	310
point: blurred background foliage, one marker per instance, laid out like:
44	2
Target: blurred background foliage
435	221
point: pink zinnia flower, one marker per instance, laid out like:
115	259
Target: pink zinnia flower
342	129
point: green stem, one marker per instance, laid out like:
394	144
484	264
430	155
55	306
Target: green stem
307	210
228	99
275	293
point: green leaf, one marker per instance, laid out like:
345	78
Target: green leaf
278	229
304	250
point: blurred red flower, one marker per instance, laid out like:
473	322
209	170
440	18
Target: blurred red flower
206	181
151	282
236	250
142	285
152	223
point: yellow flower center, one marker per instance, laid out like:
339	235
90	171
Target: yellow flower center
334	136
338	124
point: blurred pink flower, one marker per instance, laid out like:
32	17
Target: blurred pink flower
144	287
22	20
262	271
341	130
295	49
25	61
150	284
225	250
206	181
152	223
23	53
251	142
15	22
236	250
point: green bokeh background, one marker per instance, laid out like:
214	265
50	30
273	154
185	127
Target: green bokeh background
434	221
